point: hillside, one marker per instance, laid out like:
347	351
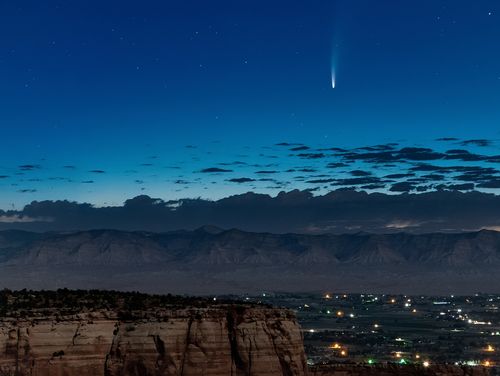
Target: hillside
210	260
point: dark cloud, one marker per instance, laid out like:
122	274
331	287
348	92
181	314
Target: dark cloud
214	170
4	176
338	150
490	183
336	165
88	182
383	147
429	168
373	186
417	180
98	171
385	153
464	155
268	179
493	159
29	167
235	163
422	188
360	173
433	177
478	142
339	211
447	139
456	187
70	167
266	172
304	170
372	157
241	180
27	190
311	155
476	174
358	181
403	187
321	181
300	148
399	176
419	154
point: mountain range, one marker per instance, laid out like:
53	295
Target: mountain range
210	260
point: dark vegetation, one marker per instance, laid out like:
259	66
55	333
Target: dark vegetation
64	301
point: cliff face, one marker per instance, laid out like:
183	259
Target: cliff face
222	340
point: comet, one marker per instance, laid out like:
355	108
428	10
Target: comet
333	78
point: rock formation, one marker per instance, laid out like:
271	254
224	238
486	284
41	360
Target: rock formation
219	340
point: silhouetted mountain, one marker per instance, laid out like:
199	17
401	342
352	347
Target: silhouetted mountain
241	258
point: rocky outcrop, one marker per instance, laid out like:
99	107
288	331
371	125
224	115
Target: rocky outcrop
219	340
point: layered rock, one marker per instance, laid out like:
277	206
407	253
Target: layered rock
219	340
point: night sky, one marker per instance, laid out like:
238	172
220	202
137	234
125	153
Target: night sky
102	101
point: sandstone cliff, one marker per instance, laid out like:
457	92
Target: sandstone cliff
219	340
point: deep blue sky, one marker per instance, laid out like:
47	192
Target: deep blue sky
125	86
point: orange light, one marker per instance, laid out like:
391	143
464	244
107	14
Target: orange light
327	296
398	355
487	363
393	300
340	313
335	346
417	356
490	348
426	364
343	353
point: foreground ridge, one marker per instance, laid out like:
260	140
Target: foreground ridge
181	336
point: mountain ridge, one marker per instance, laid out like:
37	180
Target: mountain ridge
237	246
233	260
